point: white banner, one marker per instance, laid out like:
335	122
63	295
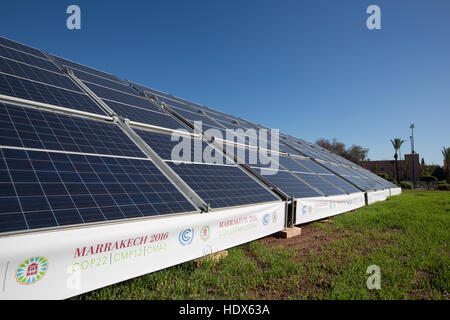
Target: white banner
65	263
376	196
310	209
395	191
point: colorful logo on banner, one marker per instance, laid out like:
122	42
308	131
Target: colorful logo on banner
186	236
266	219
205	233
306	209
31	270
274	217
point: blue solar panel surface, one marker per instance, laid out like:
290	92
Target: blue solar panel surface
21	47
43	189
290	185
323	185
35	91
32	128
19	56
221	185
78	66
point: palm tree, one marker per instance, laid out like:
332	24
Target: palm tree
396	143
446	154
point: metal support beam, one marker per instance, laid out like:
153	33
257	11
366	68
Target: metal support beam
163	166
89	92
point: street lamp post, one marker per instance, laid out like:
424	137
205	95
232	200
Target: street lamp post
411	126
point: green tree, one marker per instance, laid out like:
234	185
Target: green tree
397	143
446	155
355	153
428	180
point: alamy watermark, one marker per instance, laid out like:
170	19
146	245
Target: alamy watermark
374	20
374	280
254	147
73	21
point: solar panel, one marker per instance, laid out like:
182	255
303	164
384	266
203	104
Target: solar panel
290	185
41	75
32	128
19	56
36	78
195	116
120	86
222	185
44	189
78	66
323	185
21	47
312	166
342	184
145	116
163	145
36	91
121	98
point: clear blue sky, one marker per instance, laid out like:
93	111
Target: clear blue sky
308	68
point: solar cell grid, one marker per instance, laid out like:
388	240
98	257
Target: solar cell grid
342	184
28	59
193	116
35	91
40	190
20	47
163	145
32	128
87	77
290	185
146	116
78	66
222	186
25	71
121	97
324	186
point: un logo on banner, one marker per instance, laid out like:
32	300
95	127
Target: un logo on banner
304	209
186	236
266	219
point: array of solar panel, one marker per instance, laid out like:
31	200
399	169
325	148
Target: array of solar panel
217	183
21	47
340	183
182	148
370	175
28	59
35	91
38	79
32	128
78	66
222	185
119	86
322	179
45	189
121	98
288	183
268	166
191	114
190	111
319	183
349	174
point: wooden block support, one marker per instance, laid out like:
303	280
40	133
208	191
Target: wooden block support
289	233
215	257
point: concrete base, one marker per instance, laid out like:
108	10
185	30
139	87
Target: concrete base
289	233
215	257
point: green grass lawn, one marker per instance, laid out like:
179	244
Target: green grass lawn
407	236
